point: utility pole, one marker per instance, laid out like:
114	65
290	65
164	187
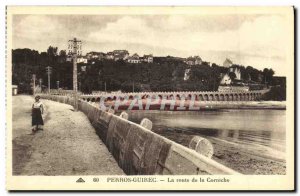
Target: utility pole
40	81
57	84
33	79
266	83
75	50
49	71
133	86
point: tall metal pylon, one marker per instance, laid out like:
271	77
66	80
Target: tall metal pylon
74	47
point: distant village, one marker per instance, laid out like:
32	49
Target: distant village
224	77
116	55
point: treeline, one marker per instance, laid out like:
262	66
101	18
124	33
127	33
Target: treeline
277	91
26	62
165	74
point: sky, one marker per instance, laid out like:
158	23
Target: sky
250	40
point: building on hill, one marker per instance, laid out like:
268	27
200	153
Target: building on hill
227	80
82	59
91	55
95	55
134	59
109	55
120	54
232	81
237	72
69	58
227	63
196	60
148	58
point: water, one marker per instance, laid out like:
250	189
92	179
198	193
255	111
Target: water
258	132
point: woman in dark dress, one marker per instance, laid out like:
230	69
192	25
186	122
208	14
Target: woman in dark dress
37	111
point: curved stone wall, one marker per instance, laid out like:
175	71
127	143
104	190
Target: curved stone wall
140	151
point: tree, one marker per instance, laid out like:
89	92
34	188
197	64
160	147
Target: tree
164	74
52	51
268	75
62	53
52	55
232	76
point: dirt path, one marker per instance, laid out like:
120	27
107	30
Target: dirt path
67	146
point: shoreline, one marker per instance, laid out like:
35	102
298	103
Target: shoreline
244	154
233	156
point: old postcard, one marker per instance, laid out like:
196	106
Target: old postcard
150	98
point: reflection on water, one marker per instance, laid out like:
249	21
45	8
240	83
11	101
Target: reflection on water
255	131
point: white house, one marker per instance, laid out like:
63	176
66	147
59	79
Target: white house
196	60
134	58
95	55
120	54
148	58
237	72
226	80
82	59
109	55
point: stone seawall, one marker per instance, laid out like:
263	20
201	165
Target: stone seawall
139	151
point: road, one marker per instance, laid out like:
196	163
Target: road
68	145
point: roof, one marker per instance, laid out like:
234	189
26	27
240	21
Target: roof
121	51
227	61
134	57
146	56
93	53
193	58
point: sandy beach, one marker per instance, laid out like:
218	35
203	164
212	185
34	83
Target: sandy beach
233	156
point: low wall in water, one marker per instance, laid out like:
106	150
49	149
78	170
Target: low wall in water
140	151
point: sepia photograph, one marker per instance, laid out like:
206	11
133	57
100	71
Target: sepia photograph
187	97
